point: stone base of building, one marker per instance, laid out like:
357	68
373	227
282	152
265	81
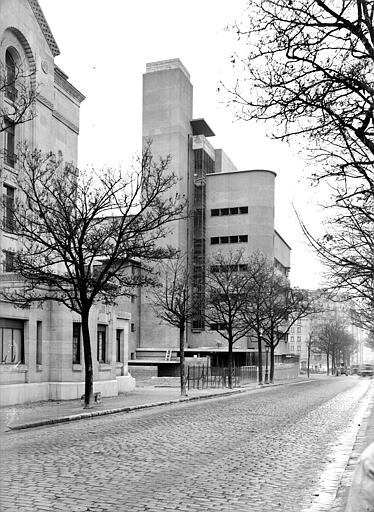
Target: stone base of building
12	394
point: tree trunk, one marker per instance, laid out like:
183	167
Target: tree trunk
259	345
230	364
182	361
272	363
328	362
308	364
88	388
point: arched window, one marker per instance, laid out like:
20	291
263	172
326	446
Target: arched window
11	59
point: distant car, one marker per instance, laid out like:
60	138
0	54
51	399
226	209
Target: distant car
366	370
355	369
341	369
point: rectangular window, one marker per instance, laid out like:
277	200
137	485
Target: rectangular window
39	337
243	267
298	329
119	343
214	240
215	212
225	211
299	339
243	209
224	239
299	349
9	146
11	341
292	348
292	338
76	343
133	298
132	327
101	343
243	238
8	211
234	239
234	211
9	261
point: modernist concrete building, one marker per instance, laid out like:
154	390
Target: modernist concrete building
41	354
231	209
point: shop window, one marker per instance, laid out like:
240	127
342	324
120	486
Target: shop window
119	344
224	239
243	238
11	341
76	343
101	344
243	209
214	240
234	239
215	212
234	211
39	338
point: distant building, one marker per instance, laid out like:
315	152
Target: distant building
231	209
41	353
299	336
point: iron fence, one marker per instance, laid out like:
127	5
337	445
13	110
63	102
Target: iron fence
203	376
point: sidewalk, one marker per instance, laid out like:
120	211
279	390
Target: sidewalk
365	436
31	415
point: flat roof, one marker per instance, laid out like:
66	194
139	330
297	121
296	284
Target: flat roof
238	172
201	127
283	240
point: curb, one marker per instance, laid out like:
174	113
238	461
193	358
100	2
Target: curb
105	412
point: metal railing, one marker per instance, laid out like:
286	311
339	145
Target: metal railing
203	376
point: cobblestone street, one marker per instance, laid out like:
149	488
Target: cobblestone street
258	451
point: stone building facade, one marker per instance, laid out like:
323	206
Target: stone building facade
41	347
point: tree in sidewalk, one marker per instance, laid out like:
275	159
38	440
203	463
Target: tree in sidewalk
226	289
260	271
285	306
79	231
172	302
334	340
309	69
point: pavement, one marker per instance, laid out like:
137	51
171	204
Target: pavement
364	437
23	416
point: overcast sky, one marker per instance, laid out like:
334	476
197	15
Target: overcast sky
104	49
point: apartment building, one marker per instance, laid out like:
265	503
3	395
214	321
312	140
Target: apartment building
41	347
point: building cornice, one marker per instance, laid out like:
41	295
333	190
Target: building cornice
65	121
61	79
40	18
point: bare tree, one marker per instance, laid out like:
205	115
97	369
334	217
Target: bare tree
260	271
309	68
173	302
79	231
285	306
226	290
18	93
334	340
